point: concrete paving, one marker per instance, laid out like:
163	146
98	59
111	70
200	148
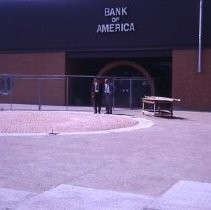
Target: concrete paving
146	162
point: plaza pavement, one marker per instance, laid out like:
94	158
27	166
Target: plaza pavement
162	166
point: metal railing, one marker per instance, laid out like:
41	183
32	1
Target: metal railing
43	91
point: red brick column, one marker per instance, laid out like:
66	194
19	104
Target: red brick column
193	88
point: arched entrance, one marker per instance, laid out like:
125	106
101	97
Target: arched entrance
132	64
144	75
128	89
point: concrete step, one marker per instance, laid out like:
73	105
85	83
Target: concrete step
10	198
184	195
65	197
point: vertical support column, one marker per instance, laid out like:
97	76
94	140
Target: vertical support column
154	107
11	93
130	93
39	93
200	37
113	97
67	92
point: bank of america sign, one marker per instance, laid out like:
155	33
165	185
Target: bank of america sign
116	25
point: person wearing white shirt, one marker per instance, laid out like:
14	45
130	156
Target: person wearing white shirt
108	92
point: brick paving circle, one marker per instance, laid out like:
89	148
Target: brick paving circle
59	121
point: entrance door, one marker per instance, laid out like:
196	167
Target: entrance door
122	93
140	88
128	92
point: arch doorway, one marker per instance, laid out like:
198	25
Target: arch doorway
140	75
130	85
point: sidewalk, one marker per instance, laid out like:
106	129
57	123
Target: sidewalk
148	165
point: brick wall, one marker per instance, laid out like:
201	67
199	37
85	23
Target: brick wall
193	88
31	91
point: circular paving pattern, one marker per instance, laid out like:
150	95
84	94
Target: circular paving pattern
23	122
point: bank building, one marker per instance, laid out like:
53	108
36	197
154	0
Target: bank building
50	51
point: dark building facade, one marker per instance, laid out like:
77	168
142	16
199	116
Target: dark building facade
157	40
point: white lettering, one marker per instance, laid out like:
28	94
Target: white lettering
115	19
112	12
106	11
118	27
132	27
118	11
105	28
126	27
99	29
111	29
116	14
124	12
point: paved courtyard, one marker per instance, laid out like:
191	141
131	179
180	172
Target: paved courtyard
161	165
36	122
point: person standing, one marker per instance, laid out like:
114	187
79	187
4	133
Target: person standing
108	91
97	92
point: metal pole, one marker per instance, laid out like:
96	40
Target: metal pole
11	94
200	37
113	93
67	92
130	94
39	93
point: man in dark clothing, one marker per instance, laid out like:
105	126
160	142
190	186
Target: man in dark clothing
97	92
108	91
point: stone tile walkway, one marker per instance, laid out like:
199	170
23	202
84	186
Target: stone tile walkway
59	121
